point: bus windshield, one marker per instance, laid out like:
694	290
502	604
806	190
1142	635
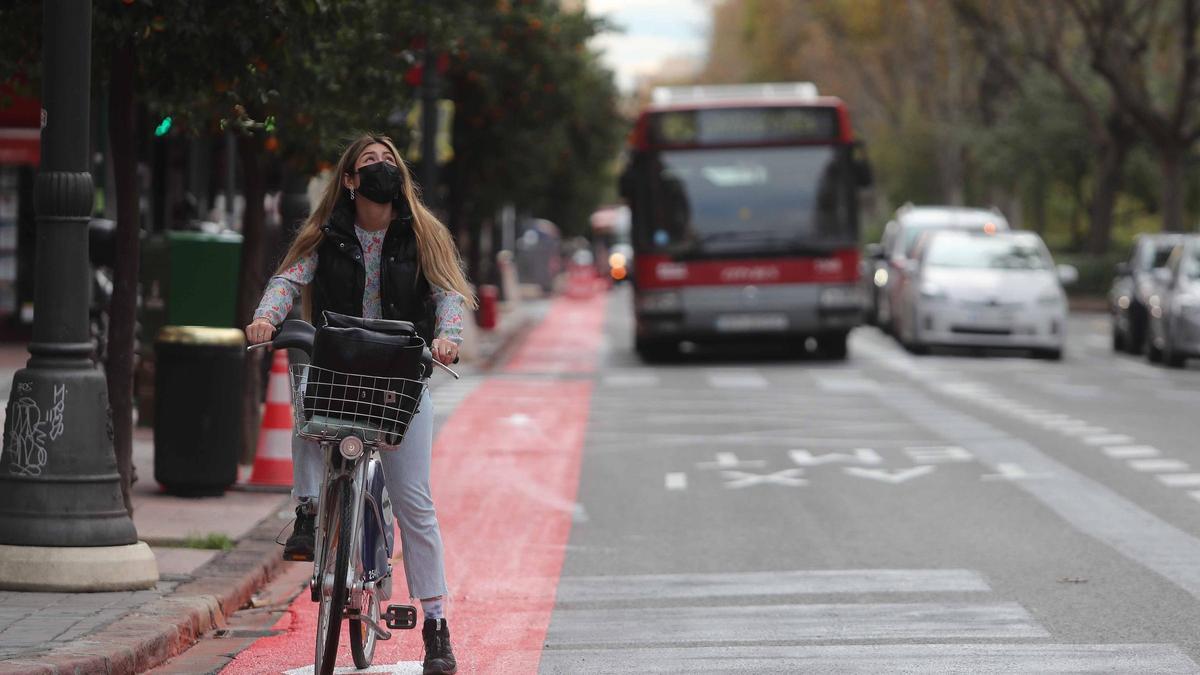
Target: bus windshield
737	201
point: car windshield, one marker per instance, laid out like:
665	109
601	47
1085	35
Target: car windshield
743	200
913	232
1154	255
999	253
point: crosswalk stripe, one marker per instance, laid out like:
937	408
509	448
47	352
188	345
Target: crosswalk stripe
730	378
1180	479
1131	451
1156	465
792	623
906	658
744	584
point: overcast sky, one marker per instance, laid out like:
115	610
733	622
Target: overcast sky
653	30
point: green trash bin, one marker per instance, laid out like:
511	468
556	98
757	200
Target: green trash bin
203	284
198	415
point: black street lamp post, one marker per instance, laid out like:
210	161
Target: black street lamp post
59	485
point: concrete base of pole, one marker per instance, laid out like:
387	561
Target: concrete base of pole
77	569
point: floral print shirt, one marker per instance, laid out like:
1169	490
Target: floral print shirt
284	289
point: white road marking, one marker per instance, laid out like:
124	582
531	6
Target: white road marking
941	454
855	456
736	379
631	380
1011	471
746	584
1180	479
846	384
399	668
1131	451
870	659
1156	465
729	460
676	481
735	480
891	477
1108	439
1084	431
791	623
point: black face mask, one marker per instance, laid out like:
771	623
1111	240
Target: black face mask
379	182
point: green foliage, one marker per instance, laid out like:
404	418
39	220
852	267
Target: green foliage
213	541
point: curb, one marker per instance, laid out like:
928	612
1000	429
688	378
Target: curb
508	341
155	632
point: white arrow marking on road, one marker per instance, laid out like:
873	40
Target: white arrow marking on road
741	479
939	454
1010	471
676	481
855	456
729	460
892	477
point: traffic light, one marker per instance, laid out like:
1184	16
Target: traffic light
163	127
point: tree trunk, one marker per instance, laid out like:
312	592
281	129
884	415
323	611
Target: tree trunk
252	278
1174	189
1109	174
123	309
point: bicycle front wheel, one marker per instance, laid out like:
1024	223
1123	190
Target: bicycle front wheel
336	561
362	638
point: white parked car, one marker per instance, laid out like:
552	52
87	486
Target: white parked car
985	290
893	259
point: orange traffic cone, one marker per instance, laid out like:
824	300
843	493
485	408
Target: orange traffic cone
273	461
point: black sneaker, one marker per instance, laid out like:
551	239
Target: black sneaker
439	657
300	545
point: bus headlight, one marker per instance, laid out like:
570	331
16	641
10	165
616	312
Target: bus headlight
841	296
660	302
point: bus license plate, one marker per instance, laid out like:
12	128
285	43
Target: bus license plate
742	323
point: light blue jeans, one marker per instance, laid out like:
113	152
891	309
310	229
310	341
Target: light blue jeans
406	474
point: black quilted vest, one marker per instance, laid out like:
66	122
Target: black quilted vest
341	275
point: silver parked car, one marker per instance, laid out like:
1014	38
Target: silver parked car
985	290
893	259
1133	284
1173	334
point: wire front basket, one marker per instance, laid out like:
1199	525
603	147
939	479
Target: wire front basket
330	405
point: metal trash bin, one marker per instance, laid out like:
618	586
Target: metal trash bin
198	417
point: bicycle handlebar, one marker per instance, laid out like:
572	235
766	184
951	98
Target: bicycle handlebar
300	334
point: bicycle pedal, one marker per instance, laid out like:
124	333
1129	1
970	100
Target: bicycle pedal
401	617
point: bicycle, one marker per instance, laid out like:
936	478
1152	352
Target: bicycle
355	413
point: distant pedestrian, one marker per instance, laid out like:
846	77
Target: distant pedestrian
372	249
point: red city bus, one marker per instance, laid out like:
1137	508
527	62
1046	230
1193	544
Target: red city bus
744	206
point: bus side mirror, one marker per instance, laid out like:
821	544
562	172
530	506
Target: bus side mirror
862	168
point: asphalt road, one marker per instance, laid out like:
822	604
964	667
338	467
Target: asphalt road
745	511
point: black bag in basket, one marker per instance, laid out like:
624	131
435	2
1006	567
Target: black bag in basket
366	372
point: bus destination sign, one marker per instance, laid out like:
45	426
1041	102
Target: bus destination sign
725	126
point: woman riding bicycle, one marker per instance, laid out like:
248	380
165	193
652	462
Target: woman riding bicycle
372	249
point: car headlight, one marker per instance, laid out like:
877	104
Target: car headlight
881	277
931	291
660	302
1050	299
841	296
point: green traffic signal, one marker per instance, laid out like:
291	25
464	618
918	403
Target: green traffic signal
163	127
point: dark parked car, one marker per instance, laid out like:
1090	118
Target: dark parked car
1173	333
1132	288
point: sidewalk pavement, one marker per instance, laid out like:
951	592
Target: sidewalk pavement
198	587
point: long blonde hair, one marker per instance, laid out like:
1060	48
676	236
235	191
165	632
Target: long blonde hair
437	254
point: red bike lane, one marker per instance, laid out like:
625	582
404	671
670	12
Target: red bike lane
505	475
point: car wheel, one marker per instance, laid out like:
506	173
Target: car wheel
1049	354
833	345
1170	357
1153	353
1135	342
655	351
1118	340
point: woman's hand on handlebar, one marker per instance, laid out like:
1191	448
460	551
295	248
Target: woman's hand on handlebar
445	351
260	331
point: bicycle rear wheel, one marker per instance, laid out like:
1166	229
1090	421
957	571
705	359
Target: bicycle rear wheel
336	561
362	638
